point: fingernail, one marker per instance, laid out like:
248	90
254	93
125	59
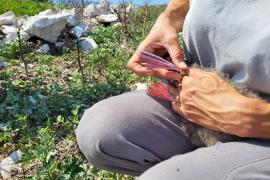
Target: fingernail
183	64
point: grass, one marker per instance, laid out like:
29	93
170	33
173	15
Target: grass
39	115
24	7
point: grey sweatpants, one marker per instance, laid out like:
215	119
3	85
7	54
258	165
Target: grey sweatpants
133	132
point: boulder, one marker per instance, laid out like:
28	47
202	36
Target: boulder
10	33
44	49
78	30
107	18
87	44
91	11
104	7
46	12
47	28
74	16
114	7
8	18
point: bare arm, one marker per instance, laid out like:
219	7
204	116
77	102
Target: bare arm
208	100
164	32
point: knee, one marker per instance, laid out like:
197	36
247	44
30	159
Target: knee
92	132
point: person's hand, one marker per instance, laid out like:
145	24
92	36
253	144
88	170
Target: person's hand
162	38
208	100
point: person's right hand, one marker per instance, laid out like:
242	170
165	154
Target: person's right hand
163	38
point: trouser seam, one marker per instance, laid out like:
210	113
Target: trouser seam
242	165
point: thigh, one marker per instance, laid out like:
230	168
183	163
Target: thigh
130	133
248	160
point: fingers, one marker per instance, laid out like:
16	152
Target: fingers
169	75
176	54
179	109
135	65
139	69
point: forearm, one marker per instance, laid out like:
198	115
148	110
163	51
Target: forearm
256	119
176	11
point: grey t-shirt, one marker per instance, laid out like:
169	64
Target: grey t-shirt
232	36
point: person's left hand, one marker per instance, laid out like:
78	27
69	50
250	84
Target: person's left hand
208	100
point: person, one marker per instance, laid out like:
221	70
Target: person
138	135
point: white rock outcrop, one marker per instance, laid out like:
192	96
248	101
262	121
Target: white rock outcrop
48	26
107	18
87	44
8	18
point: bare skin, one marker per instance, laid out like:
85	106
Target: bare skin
208	100
165	32
205	99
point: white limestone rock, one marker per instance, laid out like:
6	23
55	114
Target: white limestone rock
46	12
104	7
10	33
74	16
48	25
9	163
44	49
8	18
91	11
107	18
78	30
87	44
47	28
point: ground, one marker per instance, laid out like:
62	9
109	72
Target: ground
38	114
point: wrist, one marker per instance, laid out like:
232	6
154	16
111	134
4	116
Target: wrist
256	118
176	13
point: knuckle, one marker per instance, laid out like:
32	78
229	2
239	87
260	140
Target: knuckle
178	55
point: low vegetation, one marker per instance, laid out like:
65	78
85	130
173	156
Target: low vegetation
39	114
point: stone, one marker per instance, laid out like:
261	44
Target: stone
10	33
78	30
46	12
87	44
44	49
91	11
107	18
140	86
9	163
47	28
74	16
2	65
114	7
104	7
8	18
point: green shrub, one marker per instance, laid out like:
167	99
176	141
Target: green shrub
23	7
